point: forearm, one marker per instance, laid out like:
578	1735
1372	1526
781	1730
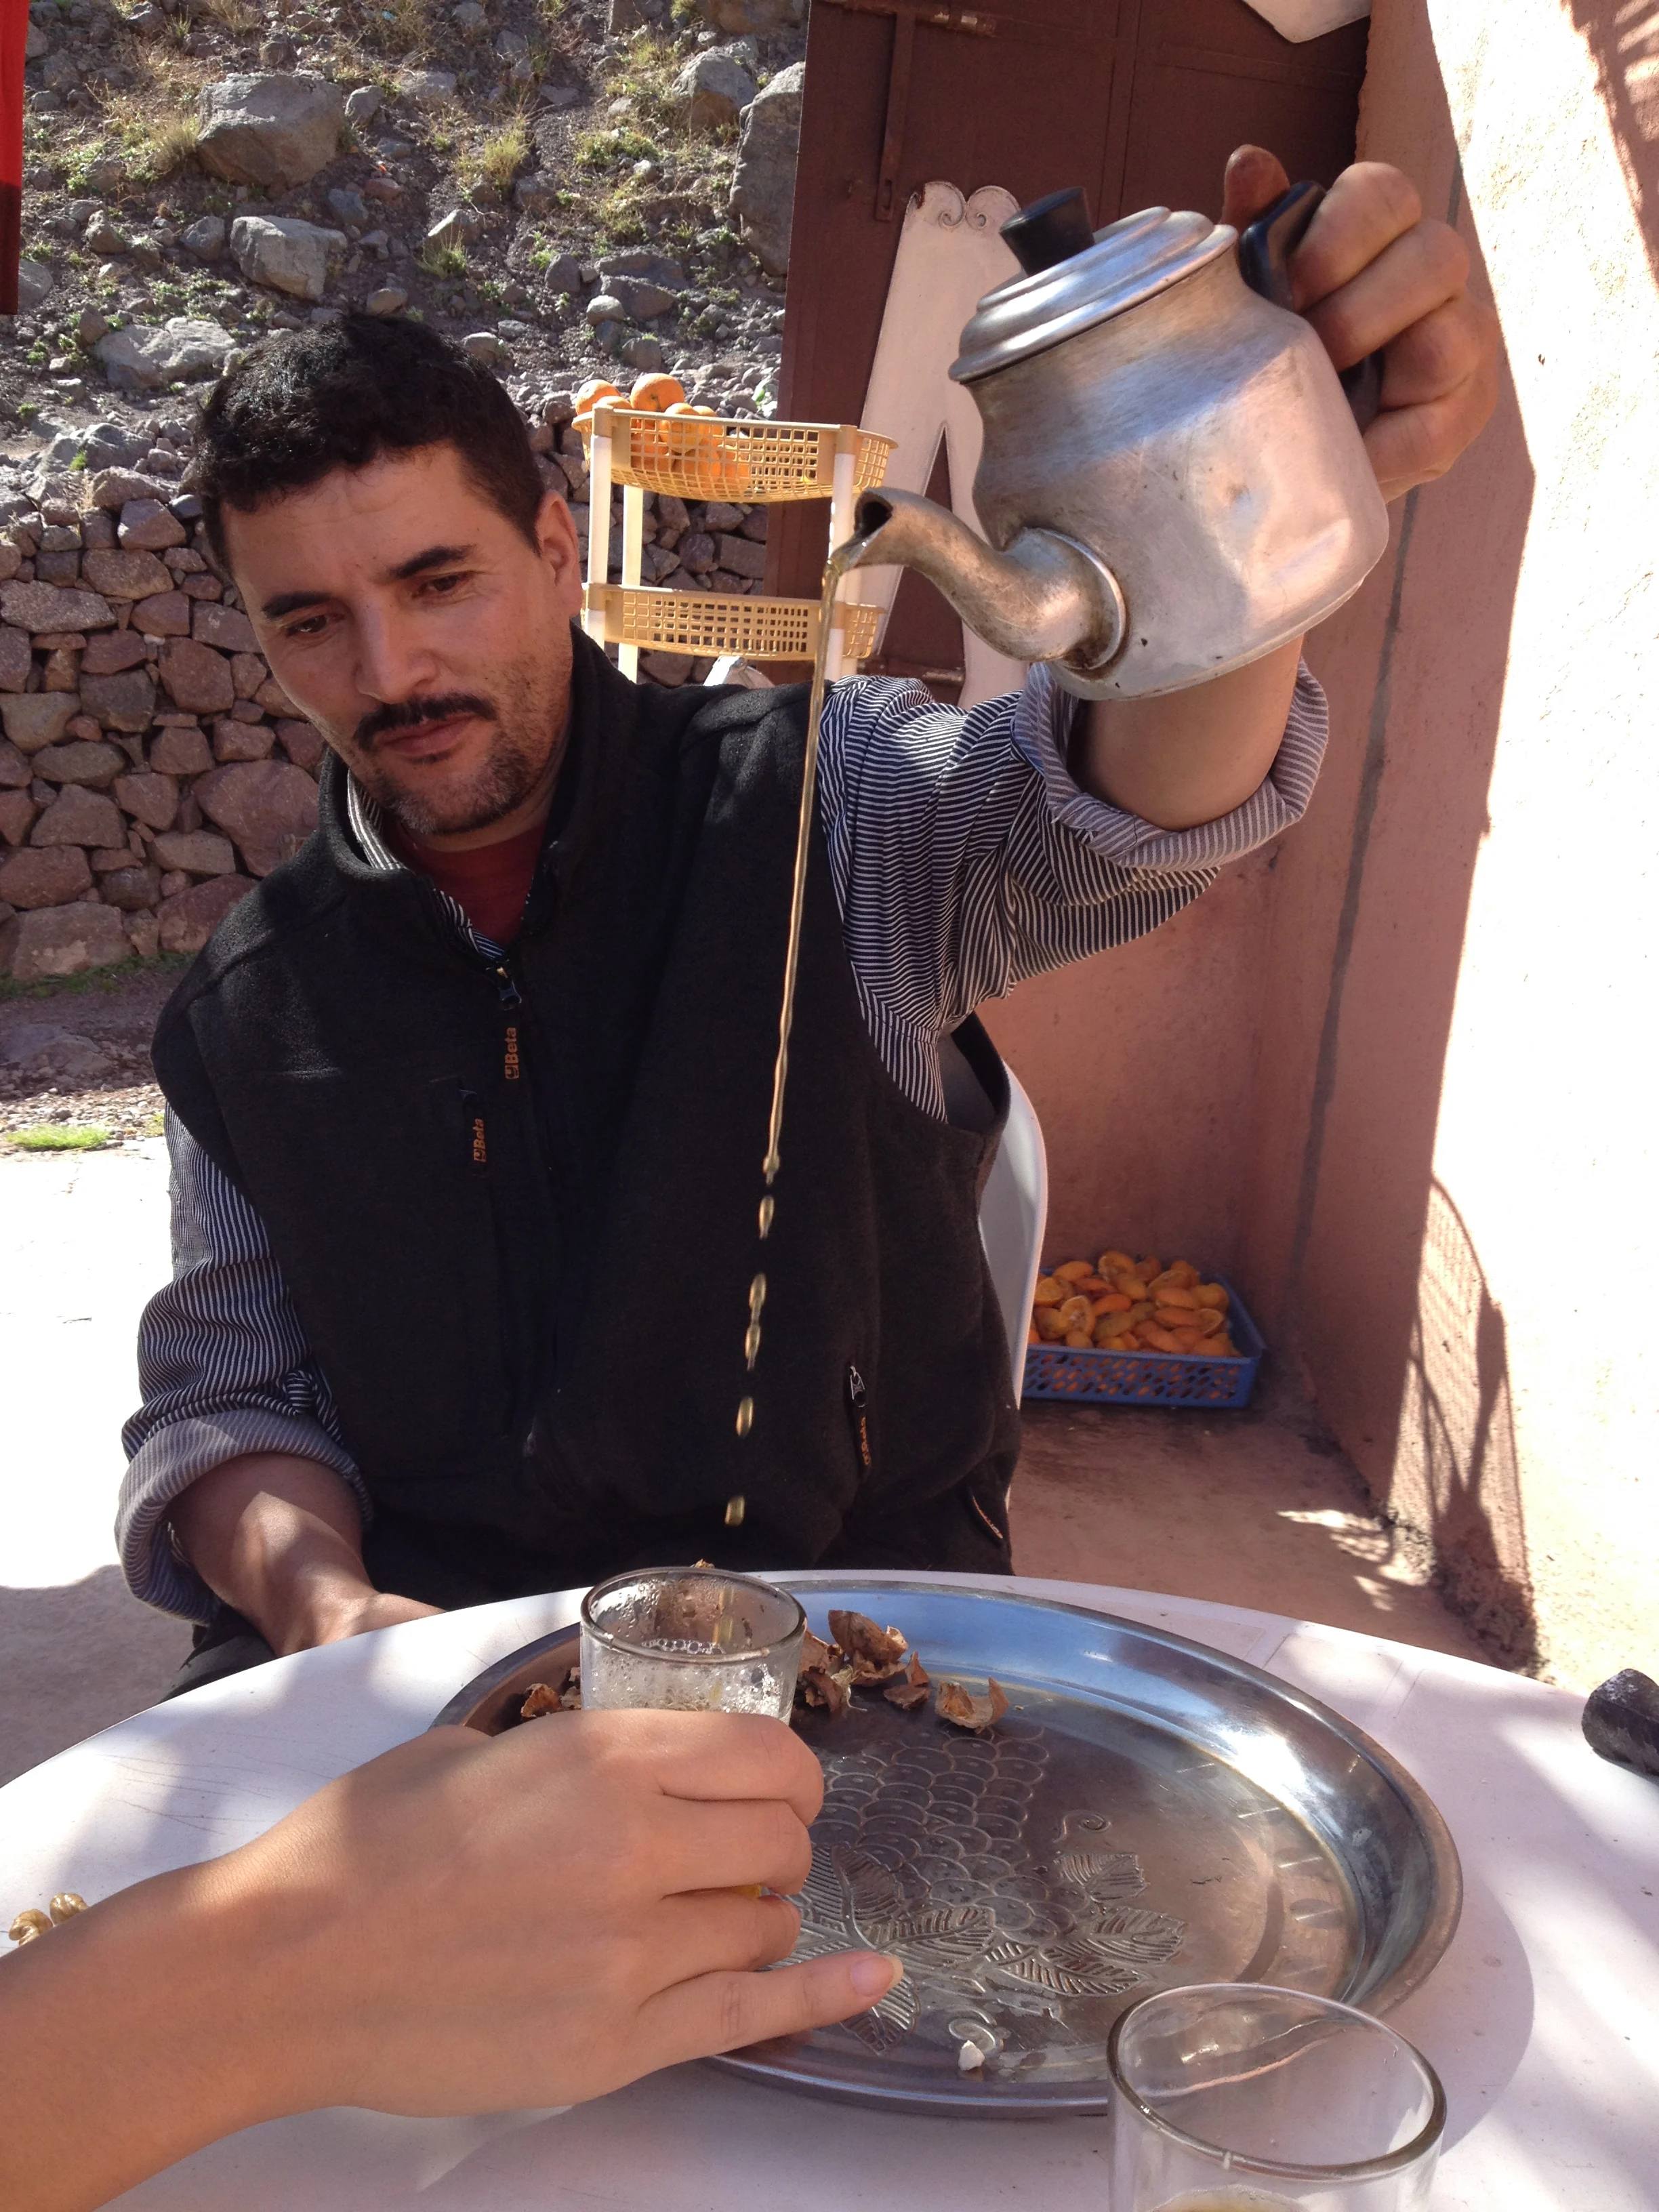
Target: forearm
279	1538
147	2027
1192	755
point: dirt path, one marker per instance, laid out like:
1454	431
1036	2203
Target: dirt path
77	1053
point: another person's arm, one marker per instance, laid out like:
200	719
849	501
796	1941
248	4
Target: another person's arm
281	1539
237	1451
1372	272
464	1925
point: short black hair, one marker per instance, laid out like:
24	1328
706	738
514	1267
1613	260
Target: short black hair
305	403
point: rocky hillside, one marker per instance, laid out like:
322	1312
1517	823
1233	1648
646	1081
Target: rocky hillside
568	190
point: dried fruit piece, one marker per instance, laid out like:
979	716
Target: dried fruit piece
1069	1270
1212	1294
540	1698
1048	1292
913	1689
859	1638
959	1705
1049	1324
1075	1312
1113	1263
818	1686
876	1654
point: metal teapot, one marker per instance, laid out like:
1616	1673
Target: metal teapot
1173	480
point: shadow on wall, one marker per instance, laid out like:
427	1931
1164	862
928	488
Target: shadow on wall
1370	1285
1458	1439
1624	44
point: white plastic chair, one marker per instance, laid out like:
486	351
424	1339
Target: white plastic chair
1013	1210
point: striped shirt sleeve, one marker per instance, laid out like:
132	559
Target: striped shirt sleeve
223	1368
965	858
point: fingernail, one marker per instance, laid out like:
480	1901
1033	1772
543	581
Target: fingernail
874	1973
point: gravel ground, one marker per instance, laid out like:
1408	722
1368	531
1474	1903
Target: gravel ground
78	1053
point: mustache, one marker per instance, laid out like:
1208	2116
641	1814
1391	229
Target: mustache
401	714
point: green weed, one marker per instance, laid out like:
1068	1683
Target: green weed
61	1137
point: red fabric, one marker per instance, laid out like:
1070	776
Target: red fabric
489	883
13	32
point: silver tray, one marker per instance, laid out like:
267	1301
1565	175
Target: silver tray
1149	1812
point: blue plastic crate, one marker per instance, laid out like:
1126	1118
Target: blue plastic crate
1151	1378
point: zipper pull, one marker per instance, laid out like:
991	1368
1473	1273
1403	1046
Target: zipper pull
506	989
511	1070
857	1398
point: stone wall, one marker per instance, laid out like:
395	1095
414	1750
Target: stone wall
151	768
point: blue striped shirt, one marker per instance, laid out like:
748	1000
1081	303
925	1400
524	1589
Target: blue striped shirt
963	859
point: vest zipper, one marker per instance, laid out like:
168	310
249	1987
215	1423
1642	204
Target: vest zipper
858	1402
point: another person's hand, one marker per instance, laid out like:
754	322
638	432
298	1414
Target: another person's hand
1374	271
464	1925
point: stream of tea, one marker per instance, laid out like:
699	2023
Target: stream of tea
841	560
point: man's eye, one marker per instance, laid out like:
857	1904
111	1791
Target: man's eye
439	586
308	626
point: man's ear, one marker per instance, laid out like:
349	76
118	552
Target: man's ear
556	534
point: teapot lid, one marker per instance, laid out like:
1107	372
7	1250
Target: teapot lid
1129	261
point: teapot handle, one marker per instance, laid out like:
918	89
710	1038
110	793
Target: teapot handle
1264	255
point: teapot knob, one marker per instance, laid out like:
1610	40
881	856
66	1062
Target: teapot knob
1050	230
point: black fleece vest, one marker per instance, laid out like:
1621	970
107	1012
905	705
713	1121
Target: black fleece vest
516	1208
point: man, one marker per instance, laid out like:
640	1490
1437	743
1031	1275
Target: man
467	1104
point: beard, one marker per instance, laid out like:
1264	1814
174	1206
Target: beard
527	738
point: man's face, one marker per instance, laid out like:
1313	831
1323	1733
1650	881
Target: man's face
422	633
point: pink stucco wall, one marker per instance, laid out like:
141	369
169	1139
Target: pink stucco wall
1394	1076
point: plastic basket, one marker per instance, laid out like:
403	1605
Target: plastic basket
712	625
706	457
1151	1378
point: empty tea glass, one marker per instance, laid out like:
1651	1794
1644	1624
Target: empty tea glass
1231	2097
689	1639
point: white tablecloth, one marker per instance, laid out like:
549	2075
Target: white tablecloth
1543	2018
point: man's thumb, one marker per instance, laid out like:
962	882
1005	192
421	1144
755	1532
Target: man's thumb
1253	181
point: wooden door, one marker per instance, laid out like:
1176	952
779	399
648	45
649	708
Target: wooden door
1140	101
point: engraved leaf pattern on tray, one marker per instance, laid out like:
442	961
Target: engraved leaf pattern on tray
922	1850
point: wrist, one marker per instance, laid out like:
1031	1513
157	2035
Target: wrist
313	1601
99	2001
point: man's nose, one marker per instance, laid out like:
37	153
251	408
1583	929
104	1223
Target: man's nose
392	663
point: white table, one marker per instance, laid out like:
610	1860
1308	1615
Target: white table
1543	2018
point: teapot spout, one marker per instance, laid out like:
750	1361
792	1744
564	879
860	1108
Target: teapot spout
1045	598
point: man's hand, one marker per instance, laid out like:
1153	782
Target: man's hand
1373	271
279	1538
464	1925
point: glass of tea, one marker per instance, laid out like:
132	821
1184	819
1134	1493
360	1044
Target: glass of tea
690	1640
1232	2096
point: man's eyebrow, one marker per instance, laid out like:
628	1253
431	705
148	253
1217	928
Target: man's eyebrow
435	557
418	564
286	603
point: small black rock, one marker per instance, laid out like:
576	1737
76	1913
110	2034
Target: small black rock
1621	1722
